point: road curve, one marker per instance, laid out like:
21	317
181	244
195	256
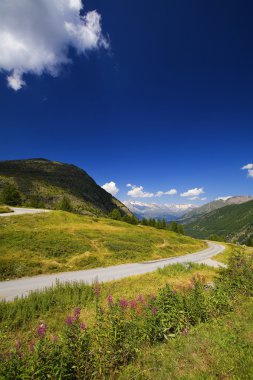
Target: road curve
23	286
22	211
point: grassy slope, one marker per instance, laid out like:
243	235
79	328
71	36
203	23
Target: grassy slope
20	319
222	349
231	222
4	209
224	255
60	241
41	180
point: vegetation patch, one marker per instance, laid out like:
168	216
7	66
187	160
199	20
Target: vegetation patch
123	327
5	209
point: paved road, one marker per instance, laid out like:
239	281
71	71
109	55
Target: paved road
21	211
21	287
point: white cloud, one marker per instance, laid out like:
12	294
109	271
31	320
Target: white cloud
191	193
249	168
250	173
129	185
111	188
169	192
35	36
138	192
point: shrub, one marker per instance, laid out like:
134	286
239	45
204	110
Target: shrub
11	196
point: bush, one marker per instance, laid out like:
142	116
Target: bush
11	196
64	205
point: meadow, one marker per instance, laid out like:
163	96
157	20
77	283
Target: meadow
137	335
61	241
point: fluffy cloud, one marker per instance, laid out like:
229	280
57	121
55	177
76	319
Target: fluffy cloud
111	188
138	192
35	36
169	192
192	193
198	198
249	168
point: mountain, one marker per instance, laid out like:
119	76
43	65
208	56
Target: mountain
158	211
233	222
46	182
215	205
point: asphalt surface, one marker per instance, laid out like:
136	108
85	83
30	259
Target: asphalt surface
22	287
21	211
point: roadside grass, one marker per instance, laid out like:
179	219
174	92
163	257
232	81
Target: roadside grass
225	255
19	319
4	209
60	241
221	349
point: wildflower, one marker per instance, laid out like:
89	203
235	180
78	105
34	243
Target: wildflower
18	345
133	304
110	300
123	303
69	320
174	291
154	310
96	289
140	298
83	326
42	330
77	312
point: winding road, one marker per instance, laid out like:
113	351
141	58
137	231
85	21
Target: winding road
22	211
22	287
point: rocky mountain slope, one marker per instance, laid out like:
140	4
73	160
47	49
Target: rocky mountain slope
47	182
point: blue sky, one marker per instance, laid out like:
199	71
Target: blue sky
162	100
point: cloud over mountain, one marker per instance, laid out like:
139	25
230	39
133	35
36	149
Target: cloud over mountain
111	188
35	36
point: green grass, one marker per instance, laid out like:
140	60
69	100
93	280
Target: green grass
4	209
224	256
60	241
222	349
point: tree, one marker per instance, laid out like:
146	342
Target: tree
11	196
173	226
180	229
115	214
65	204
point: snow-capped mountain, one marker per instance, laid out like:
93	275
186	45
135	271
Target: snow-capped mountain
159	211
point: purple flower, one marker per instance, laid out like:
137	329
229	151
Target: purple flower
140	298
69	320
83	326
174	291
123	303
42	330
133	304
77	312
96	290
154	310
18	345
110	300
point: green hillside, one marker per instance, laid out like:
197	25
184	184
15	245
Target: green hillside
214	205
44	183
234	223
59	241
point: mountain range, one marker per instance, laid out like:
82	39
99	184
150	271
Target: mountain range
159	211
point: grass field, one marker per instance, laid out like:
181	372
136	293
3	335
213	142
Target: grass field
4	209
19	319
221	349
224	256
60	241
